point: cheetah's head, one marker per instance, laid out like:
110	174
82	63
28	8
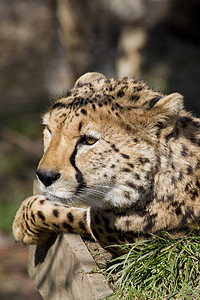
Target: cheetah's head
101	139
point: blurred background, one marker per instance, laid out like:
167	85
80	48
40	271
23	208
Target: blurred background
45	45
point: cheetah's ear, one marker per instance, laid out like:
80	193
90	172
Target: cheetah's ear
91	77
169	105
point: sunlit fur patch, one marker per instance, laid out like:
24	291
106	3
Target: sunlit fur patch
45	118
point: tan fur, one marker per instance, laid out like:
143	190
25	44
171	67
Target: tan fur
131	154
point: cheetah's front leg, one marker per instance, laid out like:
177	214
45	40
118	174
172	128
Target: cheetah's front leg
38	217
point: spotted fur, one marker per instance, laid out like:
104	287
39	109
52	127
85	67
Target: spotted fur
129	153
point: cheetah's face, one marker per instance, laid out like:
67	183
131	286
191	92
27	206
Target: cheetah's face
89	160
73	156
99	153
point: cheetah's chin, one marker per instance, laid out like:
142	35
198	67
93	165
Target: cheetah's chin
58	199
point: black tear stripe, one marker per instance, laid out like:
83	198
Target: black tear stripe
79	175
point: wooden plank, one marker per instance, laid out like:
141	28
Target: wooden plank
63	269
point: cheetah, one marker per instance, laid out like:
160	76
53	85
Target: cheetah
129	153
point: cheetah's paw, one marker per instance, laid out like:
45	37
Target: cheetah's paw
26	228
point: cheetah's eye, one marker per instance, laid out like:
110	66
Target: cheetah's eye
88	140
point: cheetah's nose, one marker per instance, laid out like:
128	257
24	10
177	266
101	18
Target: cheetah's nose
47	177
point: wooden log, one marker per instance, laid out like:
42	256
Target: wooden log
63	268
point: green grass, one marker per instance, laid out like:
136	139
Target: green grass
7	214
161	268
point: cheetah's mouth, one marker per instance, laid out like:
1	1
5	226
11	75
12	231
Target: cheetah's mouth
87	196
100	195
56	195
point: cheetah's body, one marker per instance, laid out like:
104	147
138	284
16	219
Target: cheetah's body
130	153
